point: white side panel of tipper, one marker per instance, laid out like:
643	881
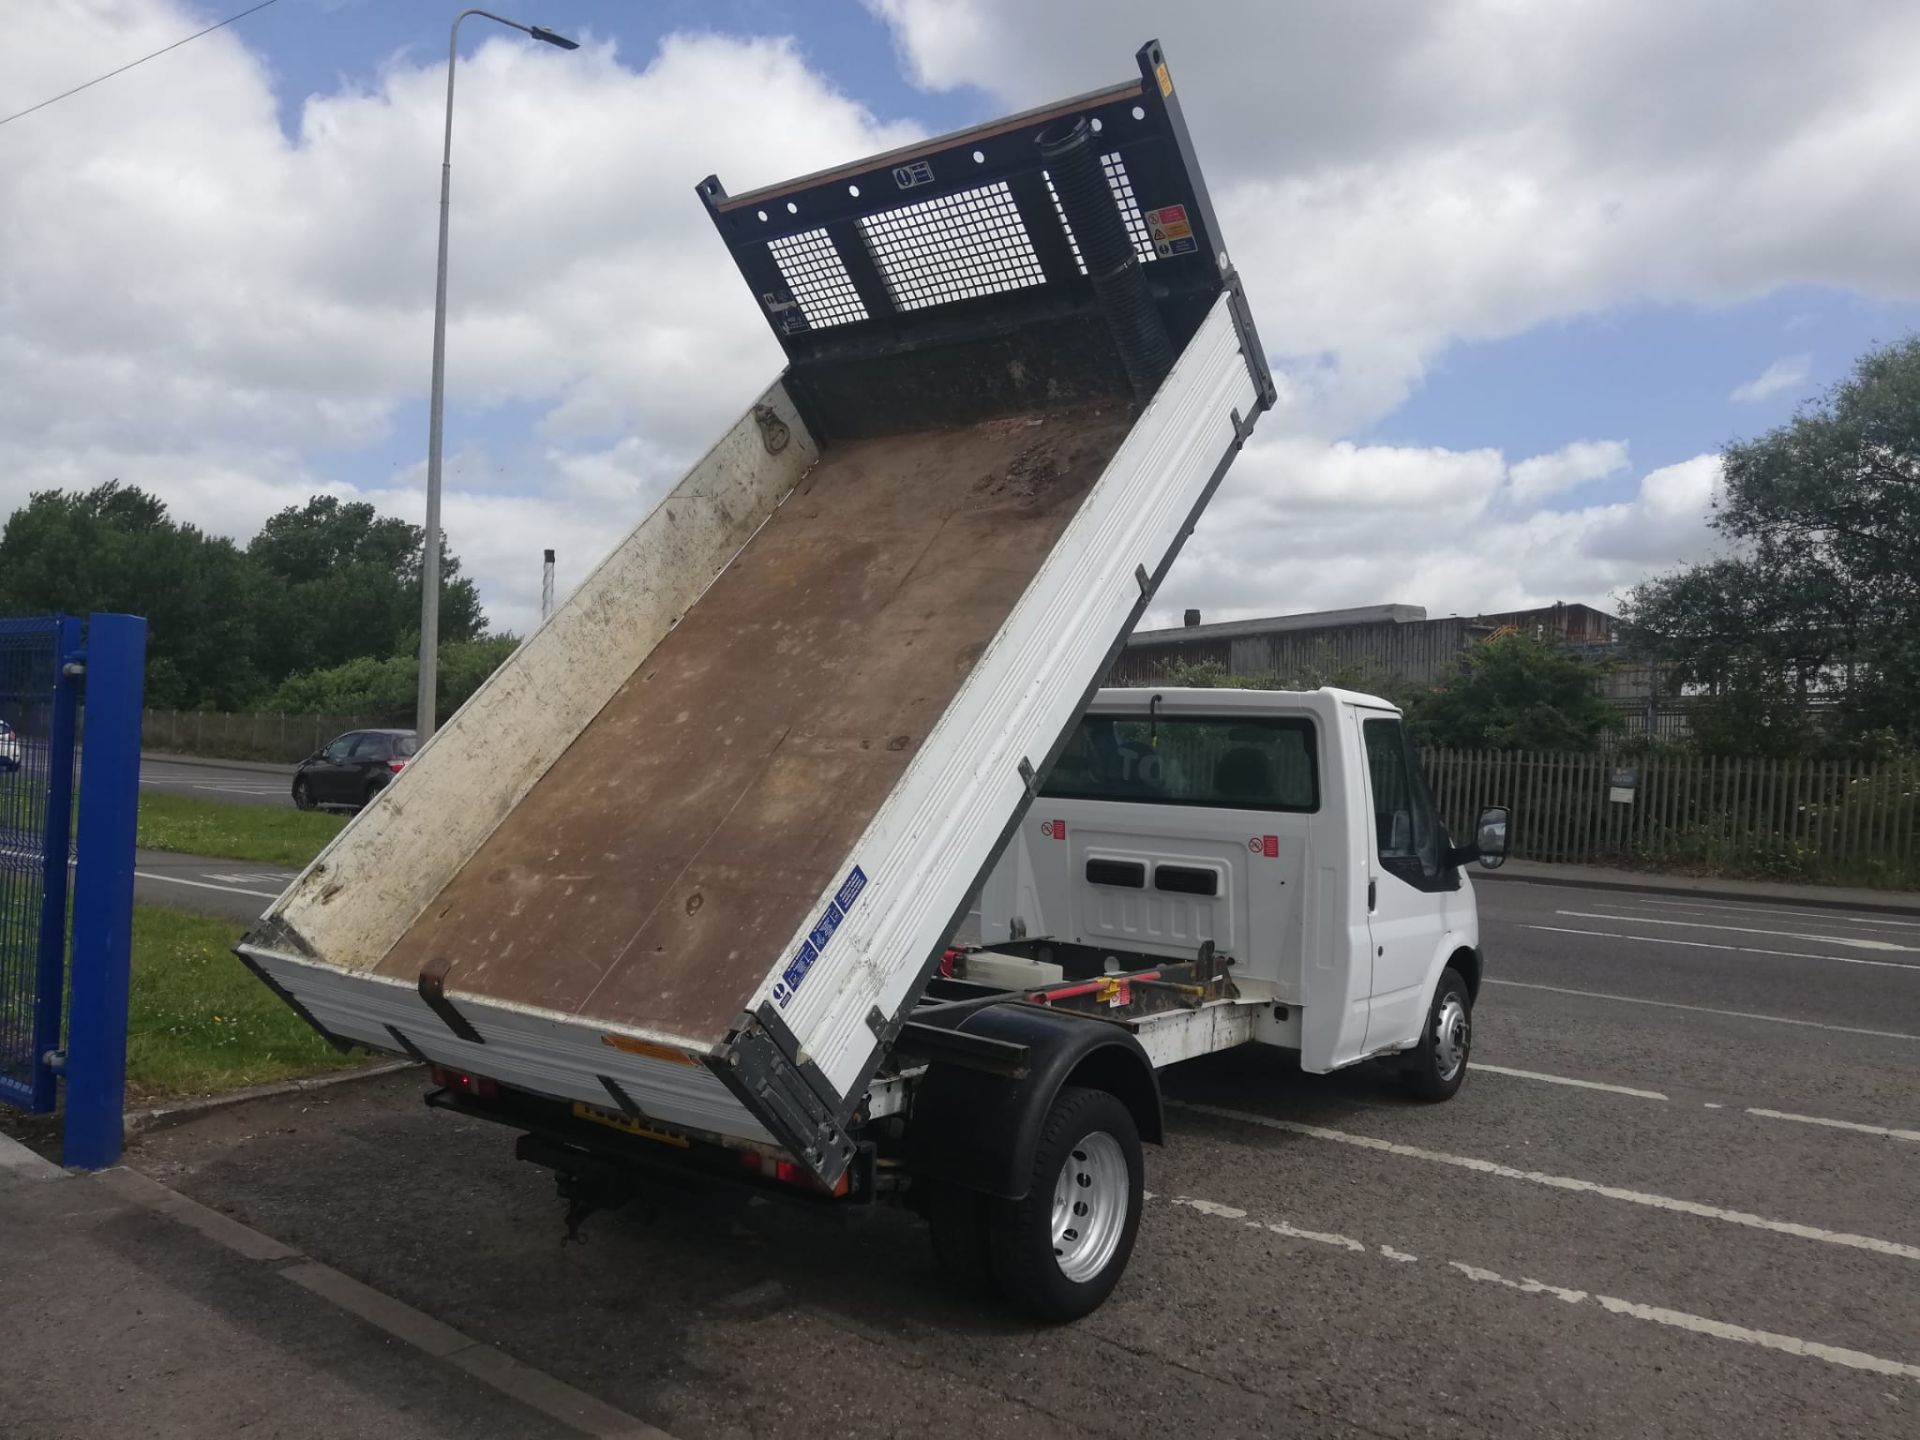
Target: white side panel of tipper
928	844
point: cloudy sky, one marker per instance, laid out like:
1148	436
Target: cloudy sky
1522	268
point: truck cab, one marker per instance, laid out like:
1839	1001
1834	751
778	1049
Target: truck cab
1294	831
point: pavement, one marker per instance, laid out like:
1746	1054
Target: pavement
1675	1197
132	1310
238	782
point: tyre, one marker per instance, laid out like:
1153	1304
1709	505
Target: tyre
1060	1251
1436	1066
302	794
957	1218
372	793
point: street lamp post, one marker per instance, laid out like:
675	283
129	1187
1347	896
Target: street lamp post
430	548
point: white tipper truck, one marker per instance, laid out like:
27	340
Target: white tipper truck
674	893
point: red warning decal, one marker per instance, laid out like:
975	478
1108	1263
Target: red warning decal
1270	846
1054	829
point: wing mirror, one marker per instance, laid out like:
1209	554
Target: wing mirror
1489	845
1490	836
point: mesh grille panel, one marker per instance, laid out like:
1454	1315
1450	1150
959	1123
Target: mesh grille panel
1122	186
953	248
818	279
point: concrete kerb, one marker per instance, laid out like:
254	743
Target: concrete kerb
1877	902
17	1160
164	1117
263	766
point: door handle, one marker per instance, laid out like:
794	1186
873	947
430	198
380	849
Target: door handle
1373	894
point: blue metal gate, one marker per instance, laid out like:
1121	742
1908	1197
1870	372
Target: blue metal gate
37	708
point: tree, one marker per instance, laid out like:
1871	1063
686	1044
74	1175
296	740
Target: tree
344	583
1820	593
1514	692
384	689
115	548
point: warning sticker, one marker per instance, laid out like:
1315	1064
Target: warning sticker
818	938
1172	232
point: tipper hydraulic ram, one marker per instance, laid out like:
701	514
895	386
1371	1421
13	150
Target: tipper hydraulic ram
692	854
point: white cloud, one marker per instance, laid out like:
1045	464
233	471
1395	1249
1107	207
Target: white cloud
1302	525
198	303
1566	468
195	303
1393	180
1786	374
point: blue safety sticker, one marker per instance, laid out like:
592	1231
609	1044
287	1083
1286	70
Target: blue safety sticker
850	891
817	938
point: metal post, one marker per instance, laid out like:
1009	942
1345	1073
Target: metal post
546	587
423	710
103	891
57	834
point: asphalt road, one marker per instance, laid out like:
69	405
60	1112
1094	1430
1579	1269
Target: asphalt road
1676	1197
236	785
230	889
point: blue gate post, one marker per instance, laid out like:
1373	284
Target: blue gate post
103	891
58	833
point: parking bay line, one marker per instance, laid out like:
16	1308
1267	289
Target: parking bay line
1873	1245
1569	1080
1700	1009
1710	945
1767	909
1631	1309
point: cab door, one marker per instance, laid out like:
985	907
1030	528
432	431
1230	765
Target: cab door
1409	882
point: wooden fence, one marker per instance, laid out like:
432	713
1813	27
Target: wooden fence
1784	819
285	738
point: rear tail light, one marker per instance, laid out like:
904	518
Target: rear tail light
788	1173
396	766
478	1086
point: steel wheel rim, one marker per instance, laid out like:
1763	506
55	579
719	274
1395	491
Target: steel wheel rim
1090	1202
1452	1034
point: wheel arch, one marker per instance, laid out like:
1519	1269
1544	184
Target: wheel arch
1466	959
980	1131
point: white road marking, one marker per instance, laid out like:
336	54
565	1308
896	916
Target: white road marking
1837	1124
203	885
1525	1287
1702	1009
1764	1114
1765	910
1891	1248
1209	1207
1631	1309
1569	1080
1318	1237
1856	941
1786	1344
1710	945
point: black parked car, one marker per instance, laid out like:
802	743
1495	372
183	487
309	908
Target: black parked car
353	768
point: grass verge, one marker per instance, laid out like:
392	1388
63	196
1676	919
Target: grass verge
265	834
199	1022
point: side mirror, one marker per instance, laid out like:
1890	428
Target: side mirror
1490	836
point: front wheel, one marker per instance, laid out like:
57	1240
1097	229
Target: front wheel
1436	1066
302	794
1058	1252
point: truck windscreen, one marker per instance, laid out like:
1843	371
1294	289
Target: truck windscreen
1234	763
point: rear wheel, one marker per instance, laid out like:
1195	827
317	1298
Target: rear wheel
1059	1252
374	787
1436	1066
303	794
